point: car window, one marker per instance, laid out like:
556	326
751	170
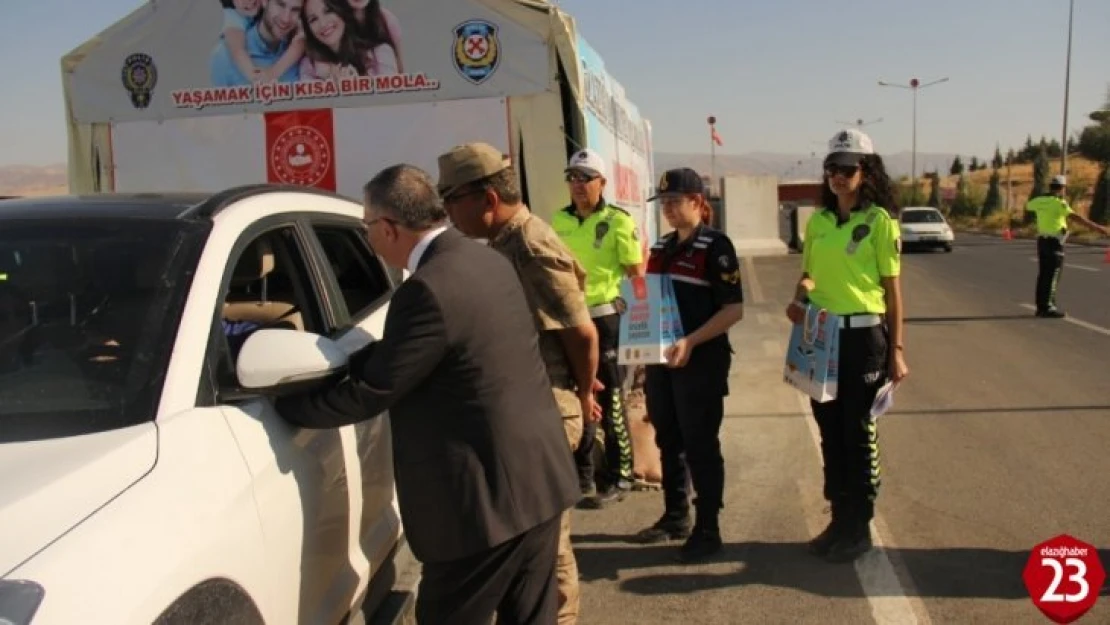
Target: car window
88	314
360	276
921	217
269	287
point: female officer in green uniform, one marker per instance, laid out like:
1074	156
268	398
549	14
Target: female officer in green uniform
851	261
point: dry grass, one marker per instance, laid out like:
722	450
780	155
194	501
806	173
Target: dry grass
1083	173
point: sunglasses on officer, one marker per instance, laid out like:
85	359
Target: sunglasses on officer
577	176
847	171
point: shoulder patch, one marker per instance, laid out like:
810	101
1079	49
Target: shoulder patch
619	209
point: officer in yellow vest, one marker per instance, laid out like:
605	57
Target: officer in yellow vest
605	240
851	261
1053	216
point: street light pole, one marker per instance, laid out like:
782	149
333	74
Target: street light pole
712	155
914	86
1067	88
860	123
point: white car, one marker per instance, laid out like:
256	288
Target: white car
924	226
142	482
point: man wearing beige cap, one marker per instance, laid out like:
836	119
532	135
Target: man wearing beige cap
481	193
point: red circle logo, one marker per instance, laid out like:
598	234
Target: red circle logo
1064	577
301	156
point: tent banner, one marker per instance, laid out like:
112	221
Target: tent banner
334	149
190	58
615	129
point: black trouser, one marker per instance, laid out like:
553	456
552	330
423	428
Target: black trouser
1050	262
516	580
614	420
849	438
686	406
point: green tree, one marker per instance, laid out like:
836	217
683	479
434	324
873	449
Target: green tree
965	205
997	161
957	166
993	201
1040	175
973	165
1011	157
1100	205
1094	142
934	194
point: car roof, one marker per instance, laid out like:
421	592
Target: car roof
102	205
168	205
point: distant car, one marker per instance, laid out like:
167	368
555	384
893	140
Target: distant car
143	481
925	227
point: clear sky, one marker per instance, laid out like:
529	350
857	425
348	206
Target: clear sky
778	74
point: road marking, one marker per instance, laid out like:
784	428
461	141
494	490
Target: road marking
1072	320
883	587
1081	267
753	281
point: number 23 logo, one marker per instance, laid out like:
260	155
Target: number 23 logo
1079	577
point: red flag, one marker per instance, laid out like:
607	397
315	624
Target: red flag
300	148
716	137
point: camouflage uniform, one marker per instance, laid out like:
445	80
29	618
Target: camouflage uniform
553	282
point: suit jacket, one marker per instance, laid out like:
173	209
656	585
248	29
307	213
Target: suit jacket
479	450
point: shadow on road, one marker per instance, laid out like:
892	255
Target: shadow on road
915	320
945	573
943	411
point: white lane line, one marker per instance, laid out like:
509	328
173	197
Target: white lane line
885	592
1072	320
753	281
1080	267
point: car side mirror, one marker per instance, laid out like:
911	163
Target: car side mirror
273	358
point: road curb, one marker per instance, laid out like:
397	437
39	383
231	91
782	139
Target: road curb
1029	237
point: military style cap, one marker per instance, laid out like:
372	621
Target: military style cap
679	181
468	163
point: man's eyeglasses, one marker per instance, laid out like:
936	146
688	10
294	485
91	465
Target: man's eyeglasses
375	220
844	170
576	177
455	197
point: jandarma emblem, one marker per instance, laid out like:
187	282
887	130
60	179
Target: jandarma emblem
477	50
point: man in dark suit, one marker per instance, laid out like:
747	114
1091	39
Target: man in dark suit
482	466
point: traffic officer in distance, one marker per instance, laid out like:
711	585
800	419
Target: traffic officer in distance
685	397
1053	216
604	238
851	261
481	193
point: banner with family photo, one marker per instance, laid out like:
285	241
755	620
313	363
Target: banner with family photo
615	129
189	58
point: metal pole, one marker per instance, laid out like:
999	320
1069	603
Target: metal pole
712	155
913	158
1067	85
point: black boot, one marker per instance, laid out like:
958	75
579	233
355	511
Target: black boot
671	526
819	546
855	538
705	540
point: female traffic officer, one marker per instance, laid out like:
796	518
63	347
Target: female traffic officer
851	261
685	397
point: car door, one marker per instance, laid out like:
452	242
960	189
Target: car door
359	289
306	483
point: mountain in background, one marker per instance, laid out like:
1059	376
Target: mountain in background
48	179
792	166
32	179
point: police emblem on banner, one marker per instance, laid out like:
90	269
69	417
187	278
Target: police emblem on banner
139	77
477	50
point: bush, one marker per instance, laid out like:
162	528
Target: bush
1100	206
993	200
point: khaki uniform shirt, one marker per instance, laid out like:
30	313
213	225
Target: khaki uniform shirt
554	283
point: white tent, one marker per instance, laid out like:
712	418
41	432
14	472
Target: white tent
152	102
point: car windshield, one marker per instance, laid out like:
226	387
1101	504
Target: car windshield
88	314
921	217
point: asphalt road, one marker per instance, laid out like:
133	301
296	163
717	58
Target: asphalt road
1000	439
